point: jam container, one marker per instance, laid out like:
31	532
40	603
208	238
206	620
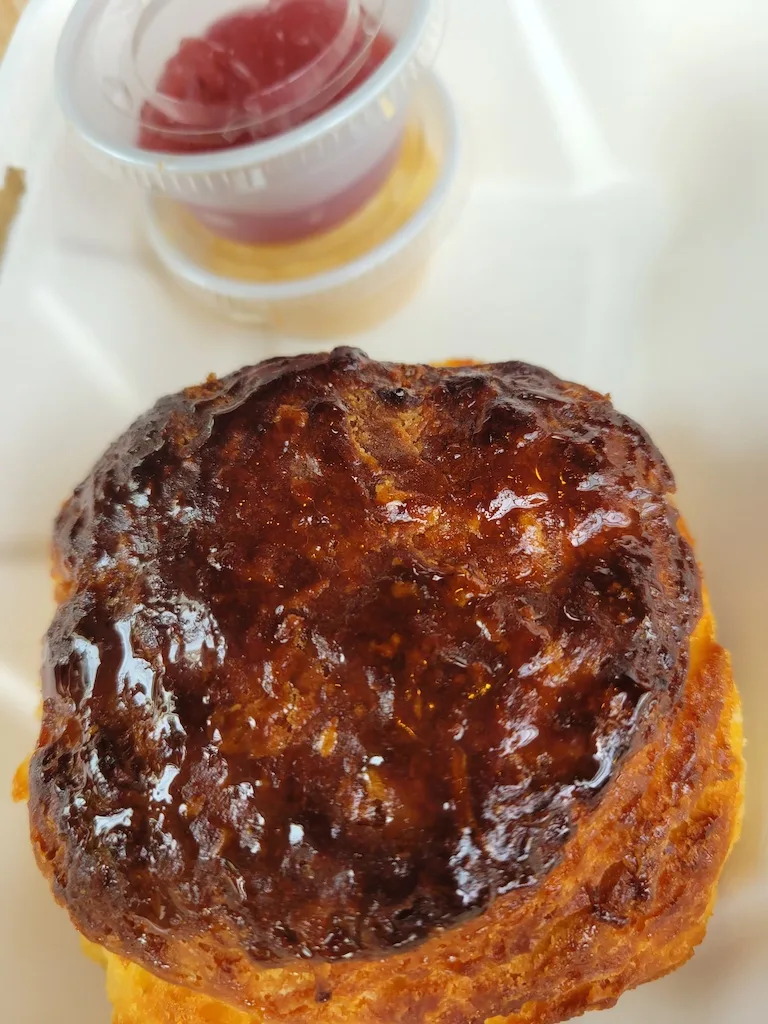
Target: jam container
350	278
271	121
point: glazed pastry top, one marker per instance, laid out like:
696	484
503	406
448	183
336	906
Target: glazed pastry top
345	649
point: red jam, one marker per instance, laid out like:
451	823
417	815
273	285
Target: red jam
256	74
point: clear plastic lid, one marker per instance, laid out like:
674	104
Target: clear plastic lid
213	73
209	98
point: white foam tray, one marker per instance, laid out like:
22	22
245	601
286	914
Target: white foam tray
607	234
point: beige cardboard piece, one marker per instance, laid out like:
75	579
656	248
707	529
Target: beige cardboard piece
13	188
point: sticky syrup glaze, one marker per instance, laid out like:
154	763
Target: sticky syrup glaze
344	651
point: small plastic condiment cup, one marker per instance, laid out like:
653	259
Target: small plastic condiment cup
353	296
323	144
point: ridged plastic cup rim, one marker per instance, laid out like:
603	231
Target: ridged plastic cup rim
243	157
187	271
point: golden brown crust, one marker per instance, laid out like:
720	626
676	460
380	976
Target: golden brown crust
628	904
355	659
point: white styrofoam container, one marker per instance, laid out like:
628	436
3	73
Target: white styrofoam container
581	246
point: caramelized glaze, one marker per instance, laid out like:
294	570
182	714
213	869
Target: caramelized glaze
345	650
